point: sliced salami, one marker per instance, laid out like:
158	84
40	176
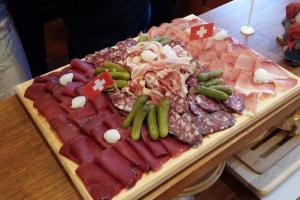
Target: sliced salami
178	104
183	128
121	100
235	103
207	104
214	122
196	110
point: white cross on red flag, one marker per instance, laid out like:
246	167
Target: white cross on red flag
99	83
201	31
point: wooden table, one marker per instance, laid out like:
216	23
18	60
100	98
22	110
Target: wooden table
29	170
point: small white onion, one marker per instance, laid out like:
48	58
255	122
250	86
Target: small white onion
262	76
78	102
66	78
148	55
112	136
220	35
168	52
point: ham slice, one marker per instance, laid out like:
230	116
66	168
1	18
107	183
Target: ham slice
125	150
155	146
97	181
274	70
285	84
245	63
81	149
173	146
206	57
117	166
251	103
216	64
245	85
67	132
148	157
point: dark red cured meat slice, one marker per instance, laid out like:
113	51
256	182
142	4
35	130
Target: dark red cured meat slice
235	102
113	120
80	113
196	110
45	103
207	104
100	102
45	78
80	91
183	128
51	85
58	94
155	146
77	76
98	135
117	166
125	150
69	89
66	106
35	91
178	104
86	68
58	121
91	123
173	146
53	112
67	132
97	181
81	149
214	122
148	157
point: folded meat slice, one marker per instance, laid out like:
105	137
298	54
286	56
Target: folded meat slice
81	149
251	103
97	181
92	122
274	70
35	91
58	121
45	78
113	120
117	166
245	63
70	88
285	84
58	94
148	157
100	102
245	85
98	135
86	68
216	64
81	113
155	146
67	132
126	150
174	146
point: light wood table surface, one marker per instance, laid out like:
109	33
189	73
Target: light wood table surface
29	170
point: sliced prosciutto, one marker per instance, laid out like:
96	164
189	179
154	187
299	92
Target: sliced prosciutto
126	151
117	166
274	70
82	149
148	157
97	181
285	84
155	146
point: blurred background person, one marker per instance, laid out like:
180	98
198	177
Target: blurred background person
14	68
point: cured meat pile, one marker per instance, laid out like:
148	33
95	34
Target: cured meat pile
238	62
104	168
158	71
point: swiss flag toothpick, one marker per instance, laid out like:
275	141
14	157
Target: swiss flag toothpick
99	83
201	31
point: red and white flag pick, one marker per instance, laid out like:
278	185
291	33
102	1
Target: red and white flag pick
201	31
99	83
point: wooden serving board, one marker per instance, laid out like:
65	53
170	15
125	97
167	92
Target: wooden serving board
174	165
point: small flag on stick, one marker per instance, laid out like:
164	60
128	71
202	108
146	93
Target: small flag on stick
201	31
99	83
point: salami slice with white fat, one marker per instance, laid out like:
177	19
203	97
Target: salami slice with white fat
196	110
207	104
121	100
178	104
235	103
214	122
183	128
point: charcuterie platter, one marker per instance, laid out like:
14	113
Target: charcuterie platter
126	118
